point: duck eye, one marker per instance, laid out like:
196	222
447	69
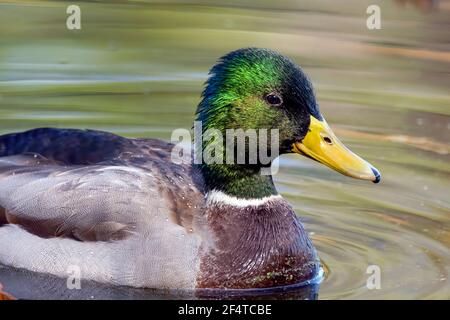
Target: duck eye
327	140
274	99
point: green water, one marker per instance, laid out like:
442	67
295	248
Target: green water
136	68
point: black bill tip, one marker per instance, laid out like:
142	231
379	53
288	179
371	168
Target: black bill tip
377	175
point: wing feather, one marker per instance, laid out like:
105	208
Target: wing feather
95	202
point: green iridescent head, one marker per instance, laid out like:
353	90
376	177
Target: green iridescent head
256	88
261	89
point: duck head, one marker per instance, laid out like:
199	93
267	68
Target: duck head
260	89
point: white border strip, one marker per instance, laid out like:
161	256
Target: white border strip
219	197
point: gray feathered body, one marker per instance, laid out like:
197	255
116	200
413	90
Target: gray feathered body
121	212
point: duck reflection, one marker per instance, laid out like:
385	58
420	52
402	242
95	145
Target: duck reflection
24	284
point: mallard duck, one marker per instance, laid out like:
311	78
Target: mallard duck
123	213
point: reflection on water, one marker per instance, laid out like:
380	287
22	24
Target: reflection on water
29	285
137	69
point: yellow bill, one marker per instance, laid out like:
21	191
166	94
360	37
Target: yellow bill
322	145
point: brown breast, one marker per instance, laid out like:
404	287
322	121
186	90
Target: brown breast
255	247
